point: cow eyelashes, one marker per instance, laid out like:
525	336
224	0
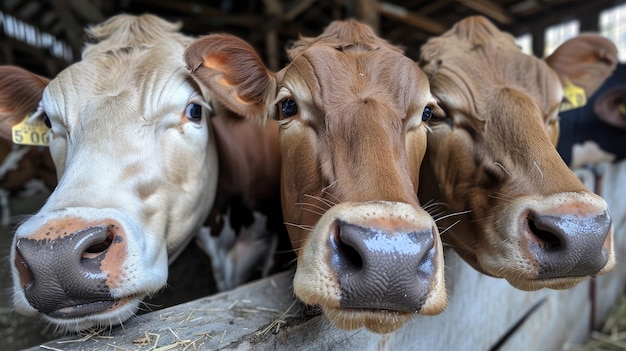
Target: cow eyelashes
288	107
193	112
46	120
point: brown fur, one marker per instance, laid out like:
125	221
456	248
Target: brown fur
359	107
493	151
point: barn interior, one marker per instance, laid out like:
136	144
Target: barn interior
45	36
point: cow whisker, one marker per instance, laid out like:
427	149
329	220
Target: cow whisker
311	210
291	263
300	226
325	191
431	203
502	196
437	214
504	169
451	215
442	232
464	248
322	200
538	168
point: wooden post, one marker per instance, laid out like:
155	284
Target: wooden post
273	8
367	12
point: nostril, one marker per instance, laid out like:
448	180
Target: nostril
23	270
349	255
546	239
98	247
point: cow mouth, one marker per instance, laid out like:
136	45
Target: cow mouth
376	320
555	283
89	309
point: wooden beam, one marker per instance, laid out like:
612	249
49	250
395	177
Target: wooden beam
366	12
413	19
489	9
273	9
73	30
296	9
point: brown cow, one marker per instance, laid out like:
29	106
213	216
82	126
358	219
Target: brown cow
23	168
137	148
348	104
532	221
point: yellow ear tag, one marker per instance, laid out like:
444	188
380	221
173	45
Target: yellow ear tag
30	132
573	97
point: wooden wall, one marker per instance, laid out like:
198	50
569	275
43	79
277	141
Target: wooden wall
483	313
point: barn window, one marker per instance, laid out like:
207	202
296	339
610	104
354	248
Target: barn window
24	32
557	34
613	26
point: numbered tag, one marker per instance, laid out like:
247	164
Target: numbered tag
573	97
30	132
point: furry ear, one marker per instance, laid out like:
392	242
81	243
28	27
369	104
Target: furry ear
585	61
233	73
20	93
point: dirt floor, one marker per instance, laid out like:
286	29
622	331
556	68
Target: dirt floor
190	278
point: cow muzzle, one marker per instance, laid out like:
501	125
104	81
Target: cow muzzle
63	277
378	269
80	271
555	242
373	265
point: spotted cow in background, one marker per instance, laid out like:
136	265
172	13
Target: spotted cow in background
530	221
348	104
138	155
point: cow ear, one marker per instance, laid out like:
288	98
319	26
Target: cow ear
234	74
20	93
585	61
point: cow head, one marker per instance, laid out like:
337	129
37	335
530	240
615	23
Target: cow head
349	105
532	221
136	164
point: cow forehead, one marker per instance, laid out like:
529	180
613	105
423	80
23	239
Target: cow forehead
329	77
470	72
104	84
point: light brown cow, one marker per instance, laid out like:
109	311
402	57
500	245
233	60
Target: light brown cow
532	221
349	104
137	149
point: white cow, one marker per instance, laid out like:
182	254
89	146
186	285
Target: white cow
137	161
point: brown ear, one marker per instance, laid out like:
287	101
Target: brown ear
234	73
585	61
20	93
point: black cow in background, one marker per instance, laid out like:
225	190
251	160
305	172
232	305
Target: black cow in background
596	132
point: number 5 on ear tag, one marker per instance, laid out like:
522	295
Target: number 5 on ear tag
30	132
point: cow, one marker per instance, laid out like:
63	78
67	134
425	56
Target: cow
349	105
531	221
139	152
24	169
595	133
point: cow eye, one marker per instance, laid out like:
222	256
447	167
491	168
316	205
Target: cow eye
428	112
193	112
289	107
46	120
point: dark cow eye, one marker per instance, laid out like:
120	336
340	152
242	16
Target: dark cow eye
46	121
193	112
428	112
289	107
